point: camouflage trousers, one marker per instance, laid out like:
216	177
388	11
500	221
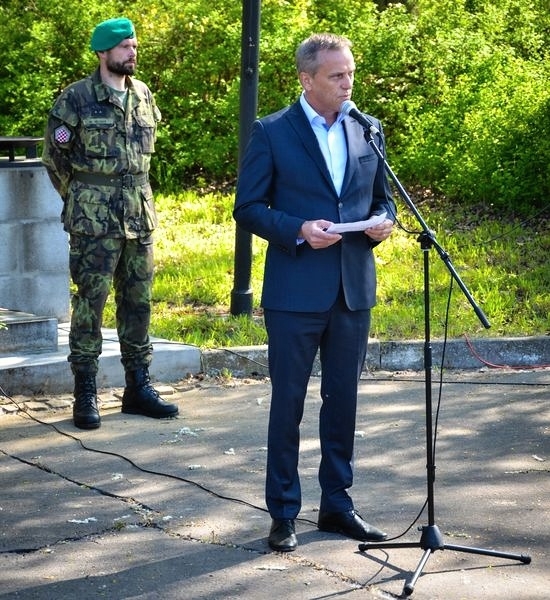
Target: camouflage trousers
96	265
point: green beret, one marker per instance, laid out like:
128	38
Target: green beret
110	33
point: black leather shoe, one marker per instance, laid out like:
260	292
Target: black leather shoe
282	535
351	525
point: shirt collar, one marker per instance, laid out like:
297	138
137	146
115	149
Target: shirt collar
313	116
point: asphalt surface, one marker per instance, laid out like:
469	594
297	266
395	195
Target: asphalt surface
172	509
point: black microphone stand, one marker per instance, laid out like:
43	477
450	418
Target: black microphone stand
431	538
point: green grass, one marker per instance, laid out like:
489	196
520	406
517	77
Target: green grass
502	262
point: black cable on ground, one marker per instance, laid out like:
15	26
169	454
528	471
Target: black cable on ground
146	470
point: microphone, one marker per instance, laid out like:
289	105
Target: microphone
349	108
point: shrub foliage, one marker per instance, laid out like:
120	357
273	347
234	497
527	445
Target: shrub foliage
461	86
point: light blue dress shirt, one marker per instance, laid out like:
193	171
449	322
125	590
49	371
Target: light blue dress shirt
332	141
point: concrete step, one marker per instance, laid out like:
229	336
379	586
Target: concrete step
26	332
31	372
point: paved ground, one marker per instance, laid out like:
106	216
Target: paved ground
174	509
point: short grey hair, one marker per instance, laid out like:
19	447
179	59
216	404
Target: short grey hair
308	51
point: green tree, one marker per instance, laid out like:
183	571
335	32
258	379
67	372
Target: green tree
461	86
475	121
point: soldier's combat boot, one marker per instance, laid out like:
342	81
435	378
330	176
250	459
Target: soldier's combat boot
141	398
85	411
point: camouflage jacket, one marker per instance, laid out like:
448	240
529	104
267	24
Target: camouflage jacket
90	136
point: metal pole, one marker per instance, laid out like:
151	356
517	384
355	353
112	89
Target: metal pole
241	295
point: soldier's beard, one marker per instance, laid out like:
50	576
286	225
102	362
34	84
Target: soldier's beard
119	68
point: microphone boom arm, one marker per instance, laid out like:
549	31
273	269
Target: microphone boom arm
427	236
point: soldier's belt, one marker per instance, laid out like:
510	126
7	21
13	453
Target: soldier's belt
120	181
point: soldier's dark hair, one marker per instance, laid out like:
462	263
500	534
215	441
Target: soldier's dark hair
308	51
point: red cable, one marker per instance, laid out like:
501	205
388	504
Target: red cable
489	364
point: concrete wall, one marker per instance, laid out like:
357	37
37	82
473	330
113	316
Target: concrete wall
34	251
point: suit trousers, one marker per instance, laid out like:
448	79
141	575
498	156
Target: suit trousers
294	338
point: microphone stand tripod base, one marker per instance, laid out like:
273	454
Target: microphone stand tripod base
430	541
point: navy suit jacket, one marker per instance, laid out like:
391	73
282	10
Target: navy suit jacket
283	182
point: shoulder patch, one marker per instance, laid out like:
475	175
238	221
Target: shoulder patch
62	134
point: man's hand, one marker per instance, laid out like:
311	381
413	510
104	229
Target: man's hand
380	232
313	232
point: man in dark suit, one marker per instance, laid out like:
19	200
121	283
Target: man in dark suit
305	168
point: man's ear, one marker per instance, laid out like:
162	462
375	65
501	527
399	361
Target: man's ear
305	80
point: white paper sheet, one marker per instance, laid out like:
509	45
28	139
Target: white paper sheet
356	225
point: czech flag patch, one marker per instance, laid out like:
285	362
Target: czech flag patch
62	134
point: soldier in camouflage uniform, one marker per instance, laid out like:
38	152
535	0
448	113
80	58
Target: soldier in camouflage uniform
98	143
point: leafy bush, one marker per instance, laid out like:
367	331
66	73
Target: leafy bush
461	87
477	118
